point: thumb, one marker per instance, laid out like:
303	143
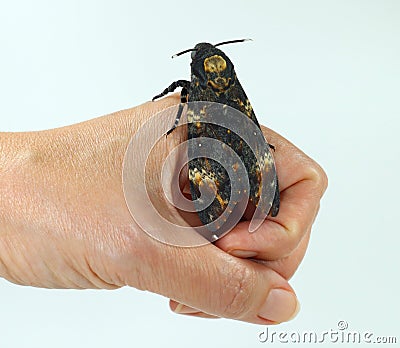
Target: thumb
207	280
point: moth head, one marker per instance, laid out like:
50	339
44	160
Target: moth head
210	66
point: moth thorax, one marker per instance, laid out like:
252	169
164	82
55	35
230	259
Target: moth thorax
215	64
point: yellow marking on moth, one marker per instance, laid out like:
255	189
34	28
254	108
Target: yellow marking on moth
222	202
259	191
246	107
228	131
214	64
203	110
212	186
204	178
198	124
208	165
198	179
220	83
235	166
190	115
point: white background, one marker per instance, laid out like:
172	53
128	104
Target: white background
325	74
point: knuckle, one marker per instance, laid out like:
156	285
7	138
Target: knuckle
318	176
236	297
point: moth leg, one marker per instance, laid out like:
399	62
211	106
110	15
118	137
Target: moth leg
184	94
172	87
184	97
178	117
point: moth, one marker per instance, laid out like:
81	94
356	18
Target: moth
214	80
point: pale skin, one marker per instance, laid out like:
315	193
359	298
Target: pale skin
64	223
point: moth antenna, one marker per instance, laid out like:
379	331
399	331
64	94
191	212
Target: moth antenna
232	41
183	52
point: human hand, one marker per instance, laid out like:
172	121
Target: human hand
281	242
64	224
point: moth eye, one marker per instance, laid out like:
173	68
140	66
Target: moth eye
193	54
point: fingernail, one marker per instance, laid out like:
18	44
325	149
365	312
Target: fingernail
183	309
281	305
243	254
